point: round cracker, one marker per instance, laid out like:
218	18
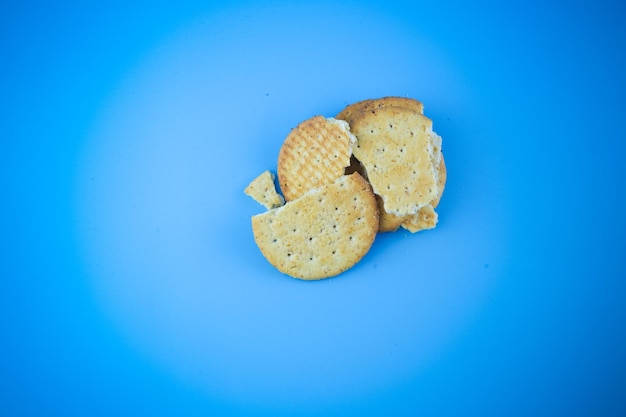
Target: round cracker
314	153
322	233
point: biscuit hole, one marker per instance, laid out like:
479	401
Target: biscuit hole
274	240
334	252
288	254
371	131
411	133
401	150
390	126
310	239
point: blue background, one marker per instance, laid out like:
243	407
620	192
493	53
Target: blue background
130	283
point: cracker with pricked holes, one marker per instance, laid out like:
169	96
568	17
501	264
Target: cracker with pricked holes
395	147
315	153
322	233
263	191
390	222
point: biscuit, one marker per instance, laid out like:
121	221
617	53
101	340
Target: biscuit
395	146
322	233
315	153
263	191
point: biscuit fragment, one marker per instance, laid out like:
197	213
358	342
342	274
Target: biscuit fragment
395	146
322	233
314	153
425	218
263	191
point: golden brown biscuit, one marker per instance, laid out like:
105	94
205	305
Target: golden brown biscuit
314	153
395	148
322	233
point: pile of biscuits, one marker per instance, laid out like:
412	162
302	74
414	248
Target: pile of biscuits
374	167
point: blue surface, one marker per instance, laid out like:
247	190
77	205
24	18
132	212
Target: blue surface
131	284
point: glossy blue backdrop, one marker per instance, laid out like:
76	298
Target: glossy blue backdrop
130	283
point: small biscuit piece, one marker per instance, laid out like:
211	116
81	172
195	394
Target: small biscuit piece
425	218
395	147
263	191
322	233
314	153
351	111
